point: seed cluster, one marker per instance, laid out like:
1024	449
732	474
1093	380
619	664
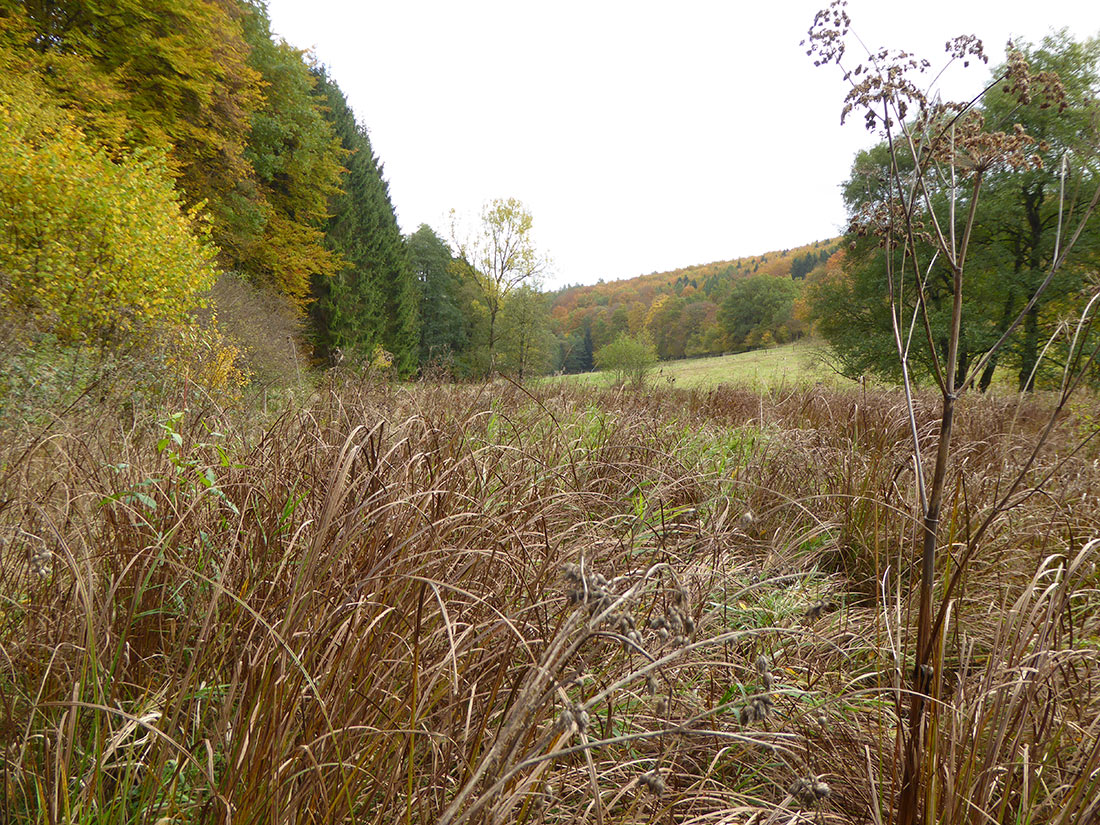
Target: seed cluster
652	782
589	589
760	705
574	717
819	608
40	560
809	790
677	623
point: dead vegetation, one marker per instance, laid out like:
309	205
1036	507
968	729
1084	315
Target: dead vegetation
462	604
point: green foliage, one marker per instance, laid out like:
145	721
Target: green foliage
371	301
498	257
442	325
525	338
759	312
628	359
90	247
172	74
1011	249
296	159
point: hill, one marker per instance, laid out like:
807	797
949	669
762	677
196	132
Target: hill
680	309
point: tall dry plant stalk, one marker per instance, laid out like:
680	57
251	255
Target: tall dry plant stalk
944	151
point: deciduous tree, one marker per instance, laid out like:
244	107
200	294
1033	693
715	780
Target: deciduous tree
90	248
499	256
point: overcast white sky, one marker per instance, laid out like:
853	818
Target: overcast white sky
643	136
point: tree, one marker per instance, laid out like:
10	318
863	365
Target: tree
628	359
90	248
1012	246
296	160
525	332
442	325
1018	224
371	300
498	257
755	306
168	74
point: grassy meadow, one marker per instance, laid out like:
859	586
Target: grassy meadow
785	365
548	604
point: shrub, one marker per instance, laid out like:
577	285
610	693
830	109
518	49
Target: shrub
628	359
92	248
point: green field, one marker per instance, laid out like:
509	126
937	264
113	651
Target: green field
796	363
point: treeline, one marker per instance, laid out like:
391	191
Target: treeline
184	123
708	309
1016	261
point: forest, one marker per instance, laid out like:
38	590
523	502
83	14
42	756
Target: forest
298	525
260	180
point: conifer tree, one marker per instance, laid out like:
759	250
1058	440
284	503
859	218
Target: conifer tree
371	301
442	325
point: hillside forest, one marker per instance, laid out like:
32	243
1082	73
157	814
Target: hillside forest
266	200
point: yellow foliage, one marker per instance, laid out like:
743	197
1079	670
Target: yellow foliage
90	247
200	354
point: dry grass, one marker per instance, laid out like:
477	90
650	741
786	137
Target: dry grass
490	604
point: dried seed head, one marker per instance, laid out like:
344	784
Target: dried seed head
661	706
756	710
565	720
818	609
580	718
40	559
544	794
767	681
807	790
763	665
652	782
651	684
574	679
589	590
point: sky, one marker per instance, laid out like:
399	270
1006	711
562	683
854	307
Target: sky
642	136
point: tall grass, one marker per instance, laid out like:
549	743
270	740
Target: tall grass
495	604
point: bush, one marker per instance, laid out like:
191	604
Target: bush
628	359
92	248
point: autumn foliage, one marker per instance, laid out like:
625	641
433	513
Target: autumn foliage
91	247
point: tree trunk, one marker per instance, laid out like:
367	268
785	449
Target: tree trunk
1029	356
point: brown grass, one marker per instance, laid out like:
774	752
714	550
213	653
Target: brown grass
357	612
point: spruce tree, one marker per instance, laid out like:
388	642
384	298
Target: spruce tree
371	301
442	325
